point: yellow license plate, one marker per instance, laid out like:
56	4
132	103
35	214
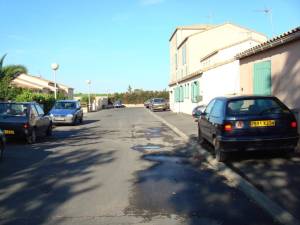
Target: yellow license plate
9	132
262	123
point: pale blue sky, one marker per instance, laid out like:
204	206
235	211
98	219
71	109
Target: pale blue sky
117	43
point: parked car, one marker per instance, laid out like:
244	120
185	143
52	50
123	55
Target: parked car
158	104
66	112
118	104
247	123
197	111
2	144
26	120
147	103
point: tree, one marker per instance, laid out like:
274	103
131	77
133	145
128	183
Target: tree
7	74
129	89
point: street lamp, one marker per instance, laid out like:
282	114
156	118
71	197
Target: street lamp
89	84
54	67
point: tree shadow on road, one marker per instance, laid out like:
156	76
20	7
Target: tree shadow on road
36	180
173	186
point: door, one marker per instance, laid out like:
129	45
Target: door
216	119
204	120
262	78
43	122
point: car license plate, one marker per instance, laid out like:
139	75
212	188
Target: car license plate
262	123
9	132
59	119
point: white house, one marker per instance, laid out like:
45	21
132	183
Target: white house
203	64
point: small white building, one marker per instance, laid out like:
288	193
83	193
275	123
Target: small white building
39	84
203	63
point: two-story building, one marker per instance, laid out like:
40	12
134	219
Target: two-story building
203	63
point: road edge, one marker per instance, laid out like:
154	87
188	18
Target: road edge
272	208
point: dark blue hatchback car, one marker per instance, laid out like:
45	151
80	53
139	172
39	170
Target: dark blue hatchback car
246	123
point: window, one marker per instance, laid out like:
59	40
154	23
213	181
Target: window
188	91
258	106
184	55
209	107
195	92
33	111
217	110
39	110
181	94
13	109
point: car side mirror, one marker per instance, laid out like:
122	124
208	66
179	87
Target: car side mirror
203	113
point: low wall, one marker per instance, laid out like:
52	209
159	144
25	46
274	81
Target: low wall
134	105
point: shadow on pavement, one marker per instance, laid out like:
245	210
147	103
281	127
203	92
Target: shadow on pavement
37	179
172	186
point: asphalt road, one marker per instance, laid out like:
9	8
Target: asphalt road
122	166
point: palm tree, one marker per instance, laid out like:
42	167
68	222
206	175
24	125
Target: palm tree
7	74
10	70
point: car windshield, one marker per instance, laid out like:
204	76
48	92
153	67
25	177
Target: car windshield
259	106
13	109
65	105
158	100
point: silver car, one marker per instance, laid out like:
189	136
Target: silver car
66	112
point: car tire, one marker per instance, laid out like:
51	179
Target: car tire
74	121
219	154
31	139
81	119
49	130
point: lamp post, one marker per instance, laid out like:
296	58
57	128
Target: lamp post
89	84
54	67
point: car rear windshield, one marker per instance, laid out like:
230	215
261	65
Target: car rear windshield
259	106
158	100
65	105
13	109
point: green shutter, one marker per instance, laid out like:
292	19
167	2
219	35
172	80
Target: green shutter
262	78
181	94
195	91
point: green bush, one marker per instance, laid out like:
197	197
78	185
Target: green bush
45	100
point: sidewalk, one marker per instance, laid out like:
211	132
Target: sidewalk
183	122
274	174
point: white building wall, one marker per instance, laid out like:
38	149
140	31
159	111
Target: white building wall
187	105
220	81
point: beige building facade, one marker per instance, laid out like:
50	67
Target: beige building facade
42	85
203	64
273	68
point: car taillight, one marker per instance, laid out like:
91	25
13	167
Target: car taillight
26	125
228	127
293	124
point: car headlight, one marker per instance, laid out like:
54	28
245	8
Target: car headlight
70	115
51	115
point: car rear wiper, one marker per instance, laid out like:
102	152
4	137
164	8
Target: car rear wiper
267	110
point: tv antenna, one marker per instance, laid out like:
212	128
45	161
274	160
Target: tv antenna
268	12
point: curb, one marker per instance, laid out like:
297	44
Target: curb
275	211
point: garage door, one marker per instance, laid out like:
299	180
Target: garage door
262	78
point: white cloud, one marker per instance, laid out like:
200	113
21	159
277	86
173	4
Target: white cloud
151	2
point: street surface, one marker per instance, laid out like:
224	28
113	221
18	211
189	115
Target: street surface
122	166
273	173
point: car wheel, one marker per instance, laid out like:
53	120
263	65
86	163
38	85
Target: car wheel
81	119
201	140
31	139
74	121
49	130
219	154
